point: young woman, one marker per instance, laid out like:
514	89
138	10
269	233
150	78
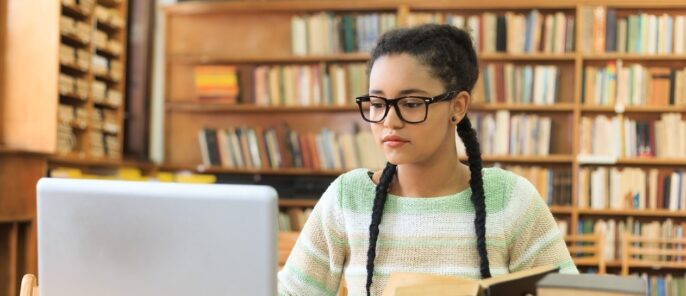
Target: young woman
426	211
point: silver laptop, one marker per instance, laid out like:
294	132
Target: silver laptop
142	238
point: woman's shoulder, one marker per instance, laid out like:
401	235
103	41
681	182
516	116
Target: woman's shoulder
501	186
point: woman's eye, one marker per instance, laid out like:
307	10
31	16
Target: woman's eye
378	105
411	105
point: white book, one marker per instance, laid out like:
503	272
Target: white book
474	29
621	35
652	184
674	192
299	35
599	189
503	131
616	194
551	84
203	148
539	84
254	148
457	21
560	32
546	129
679	34
224	149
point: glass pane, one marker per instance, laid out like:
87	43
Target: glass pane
413	109
374	109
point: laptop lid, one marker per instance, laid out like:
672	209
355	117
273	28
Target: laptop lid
100	237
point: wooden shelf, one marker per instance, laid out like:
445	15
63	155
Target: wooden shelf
567	210
107	78
71	160
210	107
503	56
74	40
222	170
552	159
107	52
73	69
306	203
662	265
653	161
110	3
633	109
74	11
561	107
657	213
73	98
342	57
4	219
634	57
190	8
105	105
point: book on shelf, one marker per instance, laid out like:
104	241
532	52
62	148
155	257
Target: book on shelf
519	134
325	33
633	138
623	84
516	283
293	218
216	83
280	147
554	185
508	83
334	84
637	32
543	32
663	284
613	230
631	188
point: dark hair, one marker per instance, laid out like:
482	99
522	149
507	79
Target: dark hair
450	56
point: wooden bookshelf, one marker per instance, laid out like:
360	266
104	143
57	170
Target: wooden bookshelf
258	23
89	20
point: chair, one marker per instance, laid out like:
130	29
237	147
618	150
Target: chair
652	252
587	250
29	286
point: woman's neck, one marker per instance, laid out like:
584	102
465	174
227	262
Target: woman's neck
438	177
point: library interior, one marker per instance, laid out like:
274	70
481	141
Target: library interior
585	100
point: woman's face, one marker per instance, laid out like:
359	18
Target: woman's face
399	75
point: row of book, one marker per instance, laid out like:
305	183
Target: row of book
293	218
309	85
613	232
328	33
633	85
664	285
518	84
321	84
553	184
639	32
510	32
519	134
607	137
280	147
631	188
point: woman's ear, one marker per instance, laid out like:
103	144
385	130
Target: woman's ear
460	104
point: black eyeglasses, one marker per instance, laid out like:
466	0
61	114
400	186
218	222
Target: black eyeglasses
410	109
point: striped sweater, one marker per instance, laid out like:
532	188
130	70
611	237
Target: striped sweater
428	235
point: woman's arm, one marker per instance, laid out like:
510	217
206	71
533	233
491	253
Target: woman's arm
315	264
532	233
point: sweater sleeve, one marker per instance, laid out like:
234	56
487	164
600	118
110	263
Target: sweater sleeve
532	233
315	265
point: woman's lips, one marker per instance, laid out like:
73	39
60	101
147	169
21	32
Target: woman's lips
394	141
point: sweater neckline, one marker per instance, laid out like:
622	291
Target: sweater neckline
466	192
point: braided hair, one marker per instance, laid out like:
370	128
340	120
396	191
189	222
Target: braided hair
450	56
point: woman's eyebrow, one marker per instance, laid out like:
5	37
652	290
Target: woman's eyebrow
401	93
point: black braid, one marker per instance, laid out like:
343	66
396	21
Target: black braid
377	212
468	136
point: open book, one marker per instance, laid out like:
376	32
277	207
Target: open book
515	284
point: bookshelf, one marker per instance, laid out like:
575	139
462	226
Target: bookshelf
92	60
257	24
